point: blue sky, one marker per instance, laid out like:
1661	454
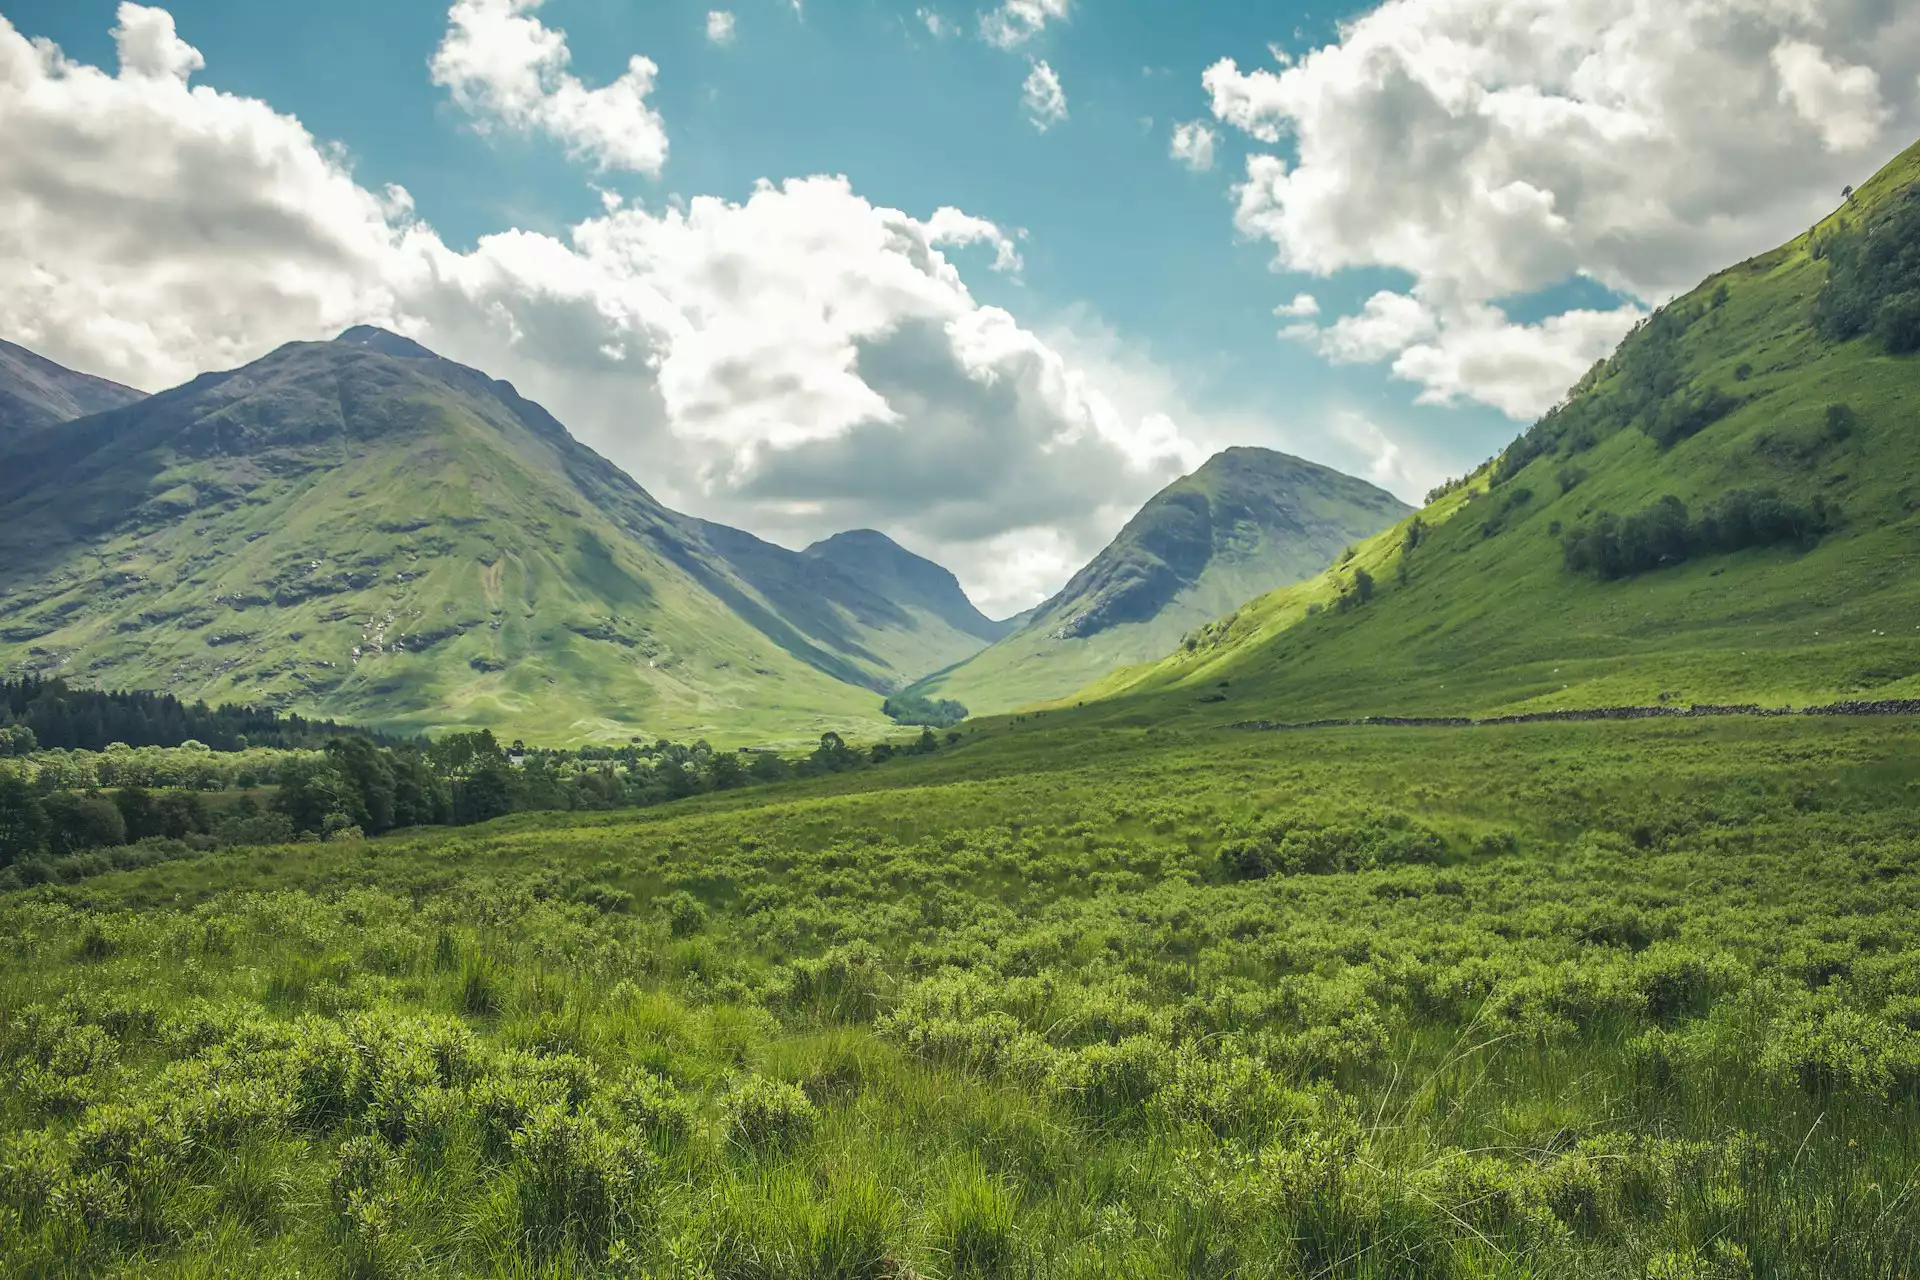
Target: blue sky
1474	206
916	121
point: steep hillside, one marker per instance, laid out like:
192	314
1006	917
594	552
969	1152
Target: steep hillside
912	581
36	393
1248	521
852	626
363	530
1723	511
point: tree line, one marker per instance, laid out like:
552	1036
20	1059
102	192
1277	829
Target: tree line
356	787
1664	534
918	709
42	715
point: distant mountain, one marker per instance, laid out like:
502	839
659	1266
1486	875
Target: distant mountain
364	530
1246	522
36	393
1727	510
911	580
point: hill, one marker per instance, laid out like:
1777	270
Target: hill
1723	511
1246	522
361	529
36	393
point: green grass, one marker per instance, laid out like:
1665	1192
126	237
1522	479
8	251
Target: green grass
1569	1000
1484	617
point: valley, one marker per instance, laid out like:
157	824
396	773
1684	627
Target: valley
1314	887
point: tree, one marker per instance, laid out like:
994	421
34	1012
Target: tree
1363	585
1898	324
724	772
767	767
76	822
487	792
420	798
833	755
23	821
369	771
317	797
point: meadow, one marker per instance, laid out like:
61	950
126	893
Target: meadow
1575	1000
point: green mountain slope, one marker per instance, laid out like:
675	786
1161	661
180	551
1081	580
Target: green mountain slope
36	393
1246	522
912	581
1778	405
363	530
858	622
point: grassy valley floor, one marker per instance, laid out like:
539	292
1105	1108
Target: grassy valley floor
1559	1000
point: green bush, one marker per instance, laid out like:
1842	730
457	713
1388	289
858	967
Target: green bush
769	1115
577	1186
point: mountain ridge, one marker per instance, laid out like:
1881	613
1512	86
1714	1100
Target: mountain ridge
366	529
36	394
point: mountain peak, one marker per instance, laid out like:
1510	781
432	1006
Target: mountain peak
869	540
386	342
1247	521
905	578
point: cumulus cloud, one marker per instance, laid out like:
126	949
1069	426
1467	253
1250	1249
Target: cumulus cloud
720	26
1193	143
1397	465
510	70
149	45
1044	99
796	362
1303	307
1494	148
1840	100
1388	323
1017	21
1520	369
937	27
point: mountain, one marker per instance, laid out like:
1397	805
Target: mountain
36	393
910	580
364	530
1725	511
1244	523
872	619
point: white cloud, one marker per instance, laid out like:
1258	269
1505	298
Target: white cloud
1473	353
1044	99
1303	307
1520	369
938	27
1193	144
1400	467
1496	148
720	26
507	68
1389	322
953	227
149	46
1841	101
1017	21
797	362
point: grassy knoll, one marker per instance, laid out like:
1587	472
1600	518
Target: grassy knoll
1569	1000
